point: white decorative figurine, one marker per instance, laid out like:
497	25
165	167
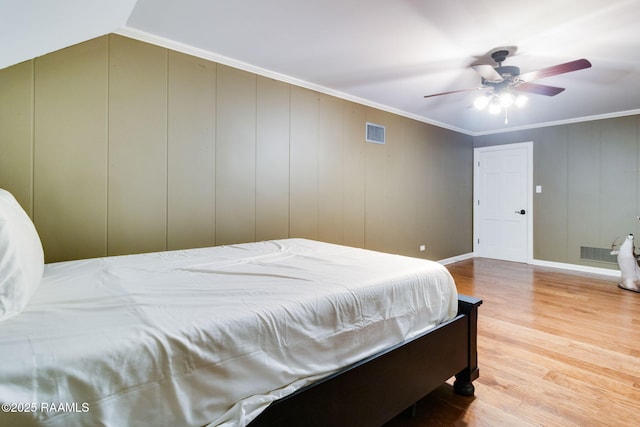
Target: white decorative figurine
628	263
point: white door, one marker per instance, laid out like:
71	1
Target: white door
502	202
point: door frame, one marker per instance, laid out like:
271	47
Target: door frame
529	177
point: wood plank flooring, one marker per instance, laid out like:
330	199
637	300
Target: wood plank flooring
556	348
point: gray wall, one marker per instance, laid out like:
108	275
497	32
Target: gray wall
114	146
589	176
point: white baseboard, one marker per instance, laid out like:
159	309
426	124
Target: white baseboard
457	258
576	267
543	263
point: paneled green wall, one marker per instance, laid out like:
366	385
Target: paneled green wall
16	132
589	177
191	116
71	132
137	150
115	146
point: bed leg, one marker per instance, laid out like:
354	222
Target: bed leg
463	384
463	387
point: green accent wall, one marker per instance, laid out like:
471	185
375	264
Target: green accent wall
115	146
589	173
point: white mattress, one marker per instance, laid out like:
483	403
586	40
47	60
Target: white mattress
209	335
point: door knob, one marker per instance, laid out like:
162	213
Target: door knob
521	212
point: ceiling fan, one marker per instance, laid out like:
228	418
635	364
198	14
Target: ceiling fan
506	78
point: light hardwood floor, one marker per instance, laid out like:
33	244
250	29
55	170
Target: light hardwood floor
556	348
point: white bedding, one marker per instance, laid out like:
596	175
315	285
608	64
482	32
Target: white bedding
209	335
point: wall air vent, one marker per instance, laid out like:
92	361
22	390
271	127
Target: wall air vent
375	133
597	254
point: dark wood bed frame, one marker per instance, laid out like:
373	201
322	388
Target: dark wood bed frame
376	389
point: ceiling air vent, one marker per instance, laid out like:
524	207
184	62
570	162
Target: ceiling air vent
375	133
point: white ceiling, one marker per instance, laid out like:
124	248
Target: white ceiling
31	28
389	53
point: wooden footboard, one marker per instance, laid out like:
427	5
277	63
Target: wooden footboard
376	389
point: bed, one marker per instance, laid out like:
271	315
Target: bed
282	332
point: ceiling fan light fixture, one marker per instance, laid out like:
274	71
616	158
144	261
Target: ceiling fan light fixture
504	83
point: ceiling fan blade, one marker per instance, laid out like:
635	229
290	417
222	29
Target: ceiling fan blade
555	70
539	89
453	91
488	73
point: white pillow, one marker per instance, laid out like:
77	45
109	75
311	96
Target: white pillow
21	257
